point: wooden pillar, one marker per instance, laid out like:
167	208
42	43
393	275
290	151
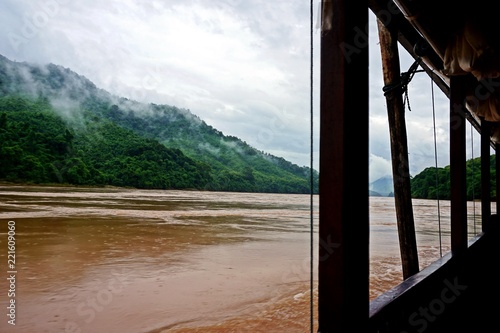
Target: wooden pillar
343	261
458	189
497	174
399	149
485	174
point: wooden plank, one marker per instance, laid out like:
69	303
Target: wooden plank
458	189
343	261
497	174
485	174
399	150
412	305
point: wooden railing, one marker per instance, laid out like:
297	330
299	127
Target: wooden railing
457	293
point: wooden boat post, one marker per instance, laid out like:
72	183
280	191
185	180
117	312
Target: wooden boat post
399	149
458	171
485	173
497	178
343	261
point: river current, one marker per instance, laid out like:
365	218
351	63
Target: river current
140	261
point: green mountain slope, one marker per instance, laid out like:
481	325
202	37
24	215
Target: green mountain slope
236	166
426	186
37	145
212	160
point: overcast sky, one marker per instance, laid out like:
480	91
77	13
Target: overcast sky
243	66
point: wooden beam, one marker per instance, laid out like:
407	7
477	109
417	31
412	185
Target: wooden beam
497	174
399	149
485	173
458	189
343	261
392	17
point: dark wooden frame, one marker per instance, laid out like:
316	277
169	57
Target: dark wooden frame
468	271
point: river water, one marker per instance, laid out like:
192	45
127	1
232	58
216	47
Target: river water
134	261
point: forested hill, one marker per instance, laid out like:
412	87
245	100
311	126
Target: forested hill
426	185
58	127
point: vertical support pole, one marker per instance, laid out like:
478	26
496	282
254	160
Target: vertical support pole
399	149
343	267
458	189
497	174
485	174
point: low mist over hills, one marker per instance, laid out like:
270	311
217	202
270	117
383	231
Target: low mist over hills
57	127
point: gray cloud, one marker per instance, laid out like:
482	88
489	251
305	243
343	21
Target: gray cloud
242	66
236	64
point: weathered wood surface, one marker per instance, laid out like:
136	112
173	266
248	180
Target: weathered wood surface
343	267
399	150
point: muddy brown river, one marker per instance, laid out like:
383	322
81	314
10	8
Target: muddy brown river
134	261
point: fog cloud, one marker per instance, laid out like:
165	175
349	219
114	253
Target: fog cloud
241	66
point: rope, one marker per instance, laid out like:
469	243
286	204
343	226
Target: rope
405	79
402	85
436	164
311	204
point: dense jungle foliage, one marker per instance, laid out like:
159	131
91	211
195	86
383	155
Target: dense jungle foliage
58	127
434	183
38	146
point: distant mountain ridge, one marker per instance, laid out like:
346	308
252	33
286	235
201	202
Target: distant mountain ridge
230	164
382	187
